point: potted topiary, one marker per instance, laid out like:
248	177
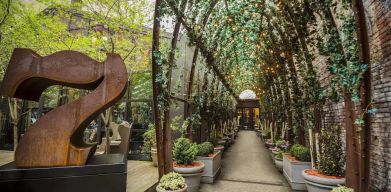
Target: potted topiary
150	143
342	189
184	153
171	182
331	163
294	163
212	161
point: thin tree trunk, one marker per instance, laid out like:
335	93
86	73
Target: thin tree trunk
364	56
13	107
106	120
156	88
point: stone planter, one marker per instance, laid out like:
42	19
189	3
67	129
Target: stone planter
223	143
292	171
212	167
321	184
273	153
192	175
219	148
154	156
269	144
179	190
278	163
227	141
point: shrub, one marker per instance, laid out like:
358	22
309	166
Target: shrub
280	142
171	182
279	155
204	149
332	160
342	189
149	139
301	153
184	151
293	148
266	133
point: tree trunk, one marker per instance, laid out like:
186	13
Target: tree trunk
106	120
13	107
156	88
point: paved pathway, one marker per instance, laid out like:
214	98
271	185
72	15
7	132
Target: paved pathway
247	167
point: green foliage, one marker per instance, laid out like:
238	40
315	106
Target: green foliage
266	133
332	160
301	153
342	189
280	142
184	152
280	155
149	139
176	125
204	149
171	182
293	148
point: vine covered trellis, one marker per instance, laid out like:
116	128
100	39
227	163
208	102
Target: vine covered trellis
271	47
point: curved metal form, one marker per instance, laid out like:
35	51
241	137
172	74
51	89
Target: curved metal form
56	139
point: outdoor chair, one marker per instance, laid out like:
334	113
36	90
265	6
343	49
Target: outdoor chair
125	131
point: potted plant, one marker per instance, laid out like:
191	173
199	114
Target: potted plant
269	143
294	163
331	163
342	189
150	143
184	153
212	161
266	134
171	182
281	146
278	160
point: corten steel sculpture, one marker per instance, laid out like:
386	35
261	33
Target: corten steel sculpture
56	139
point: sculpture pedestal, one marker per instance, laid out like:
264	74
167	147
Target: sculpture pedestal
101	174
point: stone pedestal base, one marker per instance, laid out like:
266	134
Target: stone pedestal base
101	174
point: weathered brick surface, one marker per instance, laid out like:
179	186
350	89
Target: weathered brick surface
378	14
379	23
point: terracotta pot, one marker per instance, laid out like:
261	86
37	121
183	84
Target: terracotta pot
179	190
154	156
192	175
321	184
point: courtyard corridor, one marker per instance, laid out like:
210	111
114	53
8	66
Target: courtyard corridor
247	167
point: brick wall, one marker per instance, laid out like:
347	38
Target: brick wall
378	14
379	24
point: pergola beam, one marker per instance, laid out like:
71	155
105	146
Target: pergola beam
211	61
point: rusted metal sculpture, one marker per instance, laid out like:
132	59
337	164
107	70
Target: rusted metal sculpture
56	139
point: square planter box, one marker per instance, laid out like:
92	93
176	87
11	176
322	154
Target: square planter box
292	172
212	167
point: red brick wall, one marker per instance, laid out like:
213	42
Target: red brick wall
379	24
378	14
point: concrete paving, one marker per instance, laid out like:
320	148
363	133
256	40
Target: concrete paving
247	167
